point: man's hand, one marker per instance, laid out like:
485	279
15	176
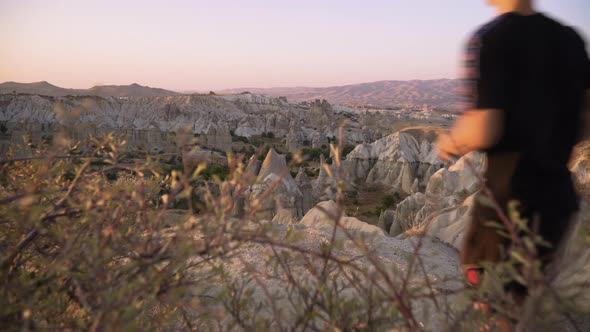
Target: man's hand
473	130
446	148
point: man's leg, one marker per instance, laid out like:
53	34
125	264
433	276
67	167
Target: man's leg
482	242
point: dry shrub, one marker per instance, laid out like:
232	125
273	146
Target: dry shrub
88	242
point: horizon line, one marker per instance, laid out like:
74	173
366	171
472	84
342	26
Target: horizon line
239	88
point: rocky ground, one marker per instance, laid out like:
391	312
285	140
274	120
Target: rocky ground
438	200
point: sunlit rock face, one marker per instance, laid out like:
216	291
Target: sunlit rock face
247	115
443	209
314	123
354	239
140	118
283	192
286	199
193	112
325	214
395	161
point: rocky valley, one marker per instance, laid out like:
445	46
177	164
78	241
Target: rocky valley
386	176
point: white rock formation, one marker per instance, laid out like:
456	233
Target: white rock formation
284	217
395	161
218	138
296	138
368	134
305	186
325	186
321	113
250	125
386	222
274	176
319	139
325	214
443	209
253	166
245	114
392	254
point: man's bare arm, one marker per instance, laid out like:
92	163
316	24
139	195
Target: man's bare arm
473	130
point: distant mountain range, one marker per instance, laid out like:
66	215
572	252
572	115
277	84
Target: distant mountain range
48	89
442	93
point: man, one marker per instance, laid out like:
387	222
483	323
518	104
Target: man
526	80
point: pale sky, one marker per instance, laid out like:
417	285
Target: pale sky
216	44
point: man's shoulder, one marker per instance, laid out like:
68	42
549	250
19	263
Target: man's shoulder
490	33
574	37
564	30
567	34
493	28
505	28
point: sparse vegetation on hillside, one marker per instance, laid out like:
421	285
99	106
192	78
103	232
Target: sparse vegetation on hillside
313	154
240	139
347	149
391	200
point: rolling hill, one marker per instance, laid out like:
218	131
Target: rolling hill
37	88
48	89
442	93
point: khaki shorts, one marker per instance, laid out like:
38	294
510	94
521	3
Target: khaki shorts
483	243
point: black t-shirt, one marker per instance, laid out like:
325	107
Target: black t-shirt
536	71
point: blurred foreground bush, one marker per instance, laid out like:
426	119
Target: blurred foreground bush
88	241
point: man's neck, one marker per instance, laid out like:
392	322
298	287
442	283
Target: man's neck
517	6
